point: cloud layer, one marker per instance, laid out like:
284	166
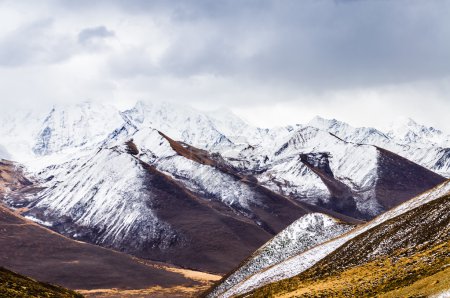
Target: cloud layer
312	57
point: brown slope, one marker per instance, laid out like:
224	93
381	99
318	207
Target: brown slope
341	195
400	179
35	251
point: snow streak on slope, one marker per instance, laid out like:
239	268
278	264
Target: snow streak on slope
444	294
101	197
305	260
305	233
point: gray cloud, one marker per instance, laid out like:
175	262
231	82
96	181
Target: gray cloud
95	33
34	43
312	44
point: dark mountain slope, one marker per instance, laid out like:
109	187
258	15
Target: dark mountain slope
34	251
400	179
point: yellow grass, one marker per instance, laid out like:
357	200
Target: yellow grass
422	274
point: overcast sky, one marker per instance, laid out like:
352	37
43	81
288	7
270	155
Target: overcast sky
272	62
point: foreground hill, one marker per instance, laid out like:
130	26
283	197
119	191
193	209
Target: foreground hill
18	286
306	232
407	245
35	251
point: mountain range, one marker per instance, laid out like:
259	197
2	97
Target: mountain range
205	190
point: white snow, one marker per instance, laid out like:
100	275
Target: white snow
41	222
29	134
355	165
203	179
179	122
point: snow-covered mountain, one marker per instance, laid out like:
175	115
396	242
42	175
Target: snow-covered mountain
408	131
413	224
180	122
426	146
30	134
133	180
306	232
85	124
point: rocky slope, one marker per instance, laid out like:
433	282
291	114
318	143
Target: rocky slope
416	228
391	260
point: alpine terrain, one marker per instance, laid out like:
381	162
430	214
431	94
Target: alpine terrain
199	190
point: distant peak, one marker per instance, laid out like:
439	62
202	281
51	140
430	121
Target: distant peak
323	123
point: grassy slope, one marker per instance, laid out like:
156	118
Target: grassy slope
418	269
15	285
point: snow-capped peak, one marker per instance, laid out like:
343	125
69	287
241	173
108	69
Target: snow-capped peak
326	124
180	122
83	124
406	130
